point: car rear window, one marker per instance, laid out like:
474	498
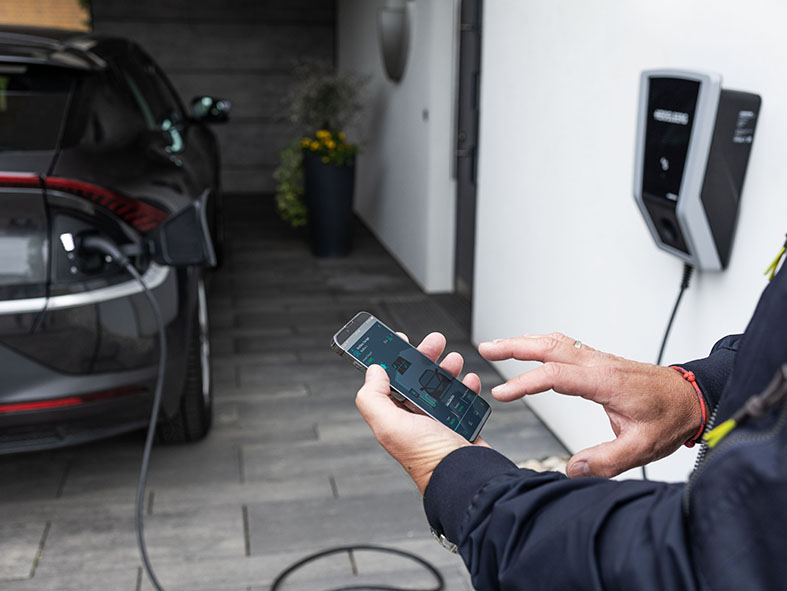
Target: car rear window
33	102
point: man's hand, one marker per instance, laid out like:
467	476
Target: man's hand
415	440
652	409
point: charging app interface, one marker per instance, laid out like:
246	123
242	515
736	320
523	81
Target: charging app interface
423	382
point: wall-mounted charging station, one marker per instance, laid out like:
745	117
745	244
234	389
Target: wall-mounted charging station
693	145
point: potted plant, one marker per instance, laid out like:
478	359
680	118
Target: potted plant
316	176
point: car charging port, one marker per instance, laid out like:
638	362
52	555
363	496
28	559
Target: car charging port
91	253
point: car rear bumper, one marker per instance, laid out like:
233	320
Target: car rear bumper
59	433
41	408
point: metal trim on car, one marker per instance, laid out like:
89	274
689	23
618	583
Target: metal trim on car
153	277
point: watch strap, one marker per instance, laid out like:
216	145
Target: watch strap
443	541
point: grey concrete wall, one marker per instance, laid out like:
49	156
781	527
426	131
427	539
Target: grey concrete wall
242	50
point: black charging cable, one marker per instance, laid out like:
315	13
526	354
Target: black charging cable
688	270
107	247
276	586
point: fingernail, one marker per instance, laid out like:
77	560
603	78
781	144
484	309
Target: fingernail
501	389
578	470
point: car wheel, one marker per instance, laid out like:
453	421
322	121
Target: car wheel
195	413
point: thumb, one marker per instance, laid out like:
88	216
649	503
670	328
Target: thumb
606	459
373	398
377	379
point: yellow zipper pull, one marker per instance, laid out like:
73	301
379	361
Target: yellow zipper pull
771	270
719	432
756	406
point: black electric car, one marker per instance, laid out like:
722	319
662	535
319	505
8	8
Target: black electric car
94	141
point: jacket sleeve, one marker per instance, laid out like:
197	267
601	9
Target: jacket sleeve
519	529
714	371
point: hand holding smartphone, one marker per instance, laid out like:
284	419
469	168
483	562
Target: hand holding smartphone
365	341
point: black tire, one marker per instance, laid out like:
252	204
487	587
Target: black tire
195	412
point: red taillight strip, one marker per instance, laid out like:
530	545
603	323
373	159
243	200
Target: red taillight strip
25	406
142	216
15	179
68	401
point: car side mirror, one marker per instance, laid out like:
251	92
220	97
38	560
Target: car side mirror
184	238
209	109
157	143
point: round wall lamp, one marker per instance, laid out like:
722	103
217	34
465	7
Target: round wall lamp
393	30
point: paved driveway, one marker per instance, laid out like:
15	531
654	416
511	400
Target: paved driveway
289	467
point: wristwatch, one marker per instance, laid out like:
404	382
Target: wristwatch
443	541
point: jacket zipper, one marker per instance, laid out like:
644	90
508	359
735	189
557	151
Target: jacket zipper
704	446
732	441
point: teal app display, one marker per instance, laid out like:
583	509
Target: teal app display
422	381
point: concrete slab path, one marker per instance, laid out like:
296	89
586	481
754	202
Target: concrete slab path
289	467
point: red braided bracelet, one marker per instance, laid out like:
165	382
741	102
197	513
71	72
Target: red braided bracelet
692	379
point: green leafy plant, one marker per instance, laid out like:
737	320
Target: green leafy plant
322	102
289	186
324	99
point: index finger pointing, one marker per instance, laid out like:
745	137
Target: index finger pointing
551	347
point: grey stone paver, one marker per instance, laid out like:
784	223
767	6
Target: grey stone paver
19	544
289	467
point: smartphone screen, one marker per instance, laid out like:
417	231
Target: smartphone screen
413	375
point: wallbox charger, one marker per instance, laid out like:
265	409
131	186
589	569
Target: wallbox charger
693	144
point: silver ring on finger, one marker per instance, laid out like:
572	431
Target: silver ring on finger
577	344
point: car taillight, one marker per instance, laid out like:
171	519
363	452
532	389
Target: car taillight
15	179
69	400
142	216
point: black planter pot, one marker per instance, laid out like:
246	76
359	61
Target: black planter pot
329	196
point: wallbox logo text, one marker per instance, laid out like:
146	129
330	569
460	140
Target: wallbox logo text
666	116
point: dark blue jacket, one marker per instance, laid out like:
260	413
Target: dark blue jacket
725	529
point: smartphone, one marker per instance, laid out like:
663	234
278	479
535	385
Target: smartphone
366	341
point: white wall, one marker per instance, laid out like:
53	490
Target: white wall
404	186
561	245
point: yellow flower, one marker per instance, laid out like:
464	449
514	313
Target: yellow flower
325	159
305	142
323	133
341	135
331	144
315	145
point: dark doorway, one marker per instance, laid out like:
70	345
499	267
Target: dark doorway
467	143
